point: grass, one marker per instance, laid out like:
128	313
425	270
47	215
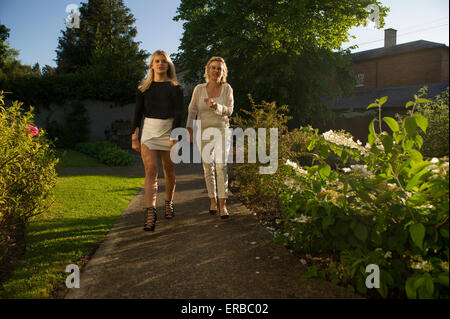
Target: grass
85	209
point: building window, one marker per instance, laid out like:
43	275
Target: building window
359	80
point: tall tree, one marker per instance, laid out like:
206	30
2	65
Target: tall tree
103	47
4	35
10	67
286	50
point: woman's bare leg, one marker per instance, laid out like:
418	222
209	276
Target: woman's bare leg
169	174
150	160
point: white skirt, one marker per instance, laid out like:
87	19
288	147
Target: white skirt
156	133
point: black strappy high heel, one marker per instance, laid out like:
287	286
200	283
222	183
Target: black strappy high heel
151	219
170	211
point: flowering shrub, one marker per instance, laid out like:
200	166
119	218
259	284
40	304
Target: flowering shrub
27	173
387	207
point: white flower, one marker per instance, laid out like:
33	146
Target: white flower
362	169
347	170
388	255
434	160
340	139
303	219
358	142
296	167
292	164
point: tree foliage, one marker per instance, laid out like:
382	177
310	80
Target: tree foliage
286	50
10	67
103	49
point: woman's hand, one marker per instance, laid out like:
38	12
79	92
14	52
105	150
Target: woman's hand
172	142
135	145
191	135
210	103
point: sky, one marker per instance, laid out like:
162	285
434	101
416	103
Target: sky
35	26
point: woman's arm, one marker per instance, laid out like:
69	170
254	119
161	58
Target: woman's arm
227	108
193	108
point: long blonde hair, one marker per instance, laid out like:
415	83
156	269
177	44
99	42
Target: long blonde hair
171	74
225	69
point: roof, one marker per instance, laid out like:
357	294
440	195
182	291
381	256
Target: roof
397	49
397	96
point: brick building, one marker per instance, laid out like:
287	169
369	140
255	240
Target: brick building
396	71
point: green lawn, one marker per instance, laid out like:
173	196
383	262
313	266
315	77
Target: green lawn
85	209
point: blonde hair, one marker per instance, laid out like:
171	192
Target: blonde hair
171	74
225	69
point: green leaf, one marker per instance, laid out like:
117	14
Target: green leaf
416	180
427	288
324	151
407	144
410	103
361	232
383	290
387	142
410	126
371	139
324	171
419	141
422	100
372	105
444	232
421	122
442	279
372	128
416	155
411	291
417	232
383	100
393	125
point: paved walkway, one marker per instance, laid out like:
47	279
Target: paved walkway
194	255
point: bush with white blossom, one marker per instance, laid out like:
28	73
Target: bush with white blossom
389	209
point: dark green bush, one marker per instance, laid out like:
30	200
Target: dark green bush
74	130
435	142
105	152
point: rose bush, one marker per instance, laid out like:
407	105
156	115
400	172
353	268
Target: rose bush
27	174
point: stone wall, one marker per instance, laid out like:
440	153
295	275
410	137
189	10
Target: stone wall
102	115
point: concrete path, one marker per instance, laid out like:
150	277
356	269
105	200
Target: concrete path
194	255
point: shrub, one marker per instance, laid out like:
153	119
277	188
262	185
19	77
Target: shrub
252	186
27	174
435	142
105	152
74	130
391	211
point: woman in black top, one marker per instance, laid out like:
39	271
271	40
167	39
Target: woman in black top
160	100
